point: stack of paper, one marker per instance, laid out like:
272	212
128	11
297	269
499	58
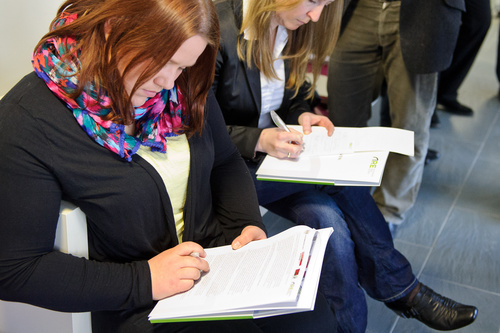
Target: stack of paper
351	156
263	278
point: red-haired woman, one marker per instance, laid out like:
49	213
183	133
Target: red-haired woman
118	118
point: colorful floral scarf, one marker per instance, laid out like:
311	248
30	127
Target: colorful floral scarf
154	122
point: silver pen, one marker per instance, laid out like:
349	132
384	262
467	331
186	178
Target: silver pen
278	121
281	124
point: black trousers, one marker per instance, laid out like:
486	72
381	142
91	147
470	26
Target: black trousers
475	24
498	58
320	320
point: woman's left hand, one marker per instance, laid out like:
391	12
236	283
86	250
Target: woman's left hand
308	119
248	234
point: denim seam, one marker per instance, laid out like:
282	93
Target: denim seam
402	293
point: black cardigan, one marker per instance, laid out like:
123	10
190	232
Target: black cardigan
46	157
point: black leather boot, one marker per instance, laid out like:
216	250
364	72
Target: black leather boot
434	310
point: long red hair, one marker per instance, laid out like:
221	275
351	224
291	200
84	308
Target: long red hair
142	32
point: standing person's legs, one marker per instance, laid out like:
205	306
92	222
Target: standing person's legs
475	24
354	70
368	50
498	61
412	99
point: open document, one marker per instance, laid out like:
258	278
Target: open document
357	139
351	156
270	277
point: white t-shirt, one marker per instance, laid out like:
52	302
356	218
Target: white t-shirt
173	167
272	90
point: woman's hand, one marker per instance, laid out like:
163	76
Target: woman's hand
175	270
279	143
248	234
308	119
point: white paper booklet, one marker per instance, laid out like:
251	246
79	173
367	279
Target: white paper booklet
357	139
356	169
352	156
264	278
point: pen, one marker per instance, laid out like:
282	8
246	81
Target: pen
196	255
278	121
281	124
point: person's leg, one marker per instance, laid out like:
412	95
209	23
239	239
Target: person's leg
320	320
498	61
222	326
354	70
385	120
384	273
475	24
339	275
132	321
403	174
412	100
312	206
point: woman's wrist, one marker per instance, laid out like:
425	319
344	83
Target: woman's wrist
259	146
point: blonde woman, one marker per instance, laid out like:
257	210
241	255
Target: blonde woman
261	66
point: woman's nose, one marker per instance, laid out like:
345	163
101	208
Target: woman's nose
166	77
315	13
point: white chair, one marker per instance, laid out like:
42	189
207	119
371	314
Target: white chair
71	237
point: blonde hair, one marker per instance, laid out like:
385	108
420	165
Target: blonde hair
312	42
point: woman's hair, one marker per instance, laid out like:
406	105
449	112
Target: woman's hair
142	32
312	42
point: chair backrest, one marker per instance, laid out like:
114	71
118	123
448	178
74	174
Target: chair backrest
71	237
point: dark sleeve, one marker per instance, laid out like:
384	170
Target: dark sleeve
299	104
244	137
31	271
234	196
231	90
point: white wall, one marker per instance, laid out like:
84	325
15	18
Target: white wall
22	24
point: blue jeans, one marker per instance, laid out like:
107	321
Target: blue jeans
360	253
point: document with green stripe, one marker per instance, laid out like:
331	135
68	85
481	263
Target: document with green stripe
350	157
264	278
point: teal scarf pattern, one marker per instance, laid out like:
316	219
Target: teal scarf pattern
160	117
